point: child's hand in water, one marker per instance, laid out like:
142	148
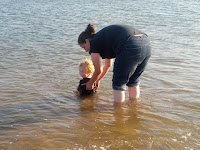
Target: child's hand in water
77	92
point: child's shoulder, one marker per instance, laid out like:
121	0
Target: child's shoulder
84	80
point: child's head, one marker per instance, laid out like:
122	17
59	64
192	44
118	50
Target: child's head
86	68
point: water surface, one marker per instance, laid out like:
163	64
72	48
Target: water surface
39	59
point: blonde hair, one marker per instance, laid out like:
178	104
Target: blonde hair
88	64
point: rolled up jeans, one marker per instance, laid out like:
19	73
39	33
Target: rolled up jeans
131	62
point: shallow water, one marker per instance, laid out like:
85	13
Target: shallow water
39	59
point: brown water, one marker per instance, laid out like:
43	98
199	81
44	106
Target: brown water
39	59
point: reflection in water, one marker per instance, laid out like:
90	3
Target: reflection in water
91	122
88	102
111	125
39	59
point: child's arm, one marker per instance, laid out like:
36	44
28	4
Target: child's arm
77	92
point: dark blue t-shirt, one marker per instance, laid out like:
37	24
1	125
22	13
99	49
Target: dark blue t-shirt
109	41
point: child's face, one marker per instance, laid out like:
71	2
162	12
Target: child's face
84	73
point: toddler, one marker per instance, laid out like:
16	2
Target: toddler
86	68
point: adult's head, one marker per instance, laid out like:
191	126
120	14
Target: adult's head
85	37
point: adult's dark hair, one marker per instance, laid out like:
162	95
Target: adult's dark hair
87	34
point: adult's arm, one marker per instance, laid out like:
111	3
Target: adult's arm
97	62
107	65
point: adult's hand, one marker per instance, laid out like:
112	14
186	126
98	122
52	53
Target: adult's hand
97	85
89	86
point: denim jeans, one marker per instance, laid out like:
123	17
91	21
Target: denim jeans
131	62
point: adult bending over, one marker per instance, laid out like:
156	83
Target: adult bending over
131	50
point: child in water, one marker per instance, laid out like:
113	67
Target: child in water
86	68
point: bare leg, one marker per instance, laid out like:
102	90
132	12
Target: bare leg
134	92
119	96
